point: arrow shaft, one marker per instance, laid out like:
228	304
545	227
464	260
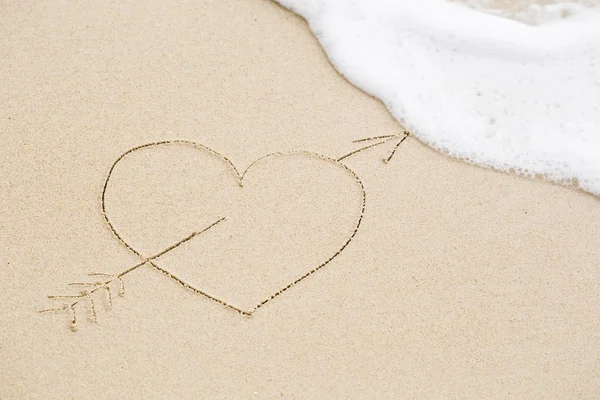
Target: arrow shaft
168	249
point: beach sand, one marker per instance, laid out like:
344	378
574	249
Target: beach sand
460	283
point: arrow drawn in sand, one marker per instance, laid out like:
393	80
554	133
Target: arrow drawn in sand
102	288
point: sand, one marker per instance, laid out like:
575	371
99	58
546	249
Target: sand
460	283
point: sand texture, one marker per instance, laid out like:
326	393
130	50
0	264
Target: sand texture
452	282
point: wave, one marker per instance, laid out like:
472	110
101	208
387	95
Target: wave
513	89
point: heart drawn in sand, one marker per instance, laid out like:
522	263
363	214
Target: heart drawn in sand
252	235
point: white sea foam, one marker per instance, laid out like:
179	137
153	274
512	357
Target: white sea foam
516	90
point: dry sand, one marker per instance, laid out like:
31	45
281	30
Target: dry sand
460	283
